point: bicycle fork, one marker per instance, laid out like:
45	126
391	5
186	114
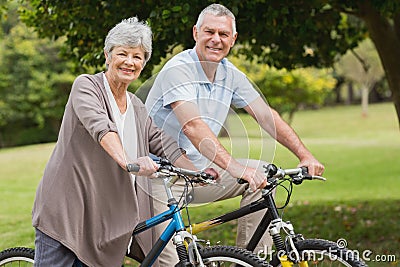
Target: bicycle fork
287	252
188	252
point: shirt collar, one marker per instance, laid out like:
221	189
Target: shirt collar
221	70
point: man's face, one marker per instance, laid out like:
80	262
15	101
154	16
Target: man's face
215	38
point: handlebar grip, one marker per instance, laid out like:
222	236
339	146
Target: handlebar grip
132	167
305	173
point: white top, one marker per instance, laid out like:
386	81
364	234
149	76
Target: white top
126	125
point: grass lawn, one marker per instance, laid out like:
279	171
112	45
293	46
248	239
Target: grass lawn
360	201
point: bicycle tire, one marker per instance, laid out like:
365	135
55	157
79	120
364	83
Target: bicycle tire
18	256
226	255
322	253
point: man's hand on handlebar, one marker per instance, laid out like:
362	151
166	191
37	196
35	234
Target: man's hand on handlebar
210	176
313	165
212	172
254	177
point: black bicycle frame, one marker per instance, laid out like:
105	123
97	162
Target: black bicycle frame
271	213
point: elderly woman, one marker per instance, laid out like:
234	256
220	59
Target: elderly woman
87	204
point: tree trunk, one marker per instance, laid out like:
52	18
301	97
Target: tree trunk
386	37
364	100
350	94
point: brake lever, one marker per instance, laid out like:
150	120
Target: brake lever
298	179
316	177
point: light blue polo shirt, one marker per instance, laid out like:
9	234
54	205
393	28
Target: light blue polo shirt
183	78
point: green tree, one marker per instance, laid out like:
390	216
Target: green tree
34	86
288	90
362	66
282	33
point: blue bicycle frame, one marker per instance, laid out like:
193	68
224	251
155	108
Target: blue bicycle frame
174	226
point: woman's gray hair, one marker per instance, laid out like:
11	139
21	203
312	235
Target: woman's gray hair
130	32
216	10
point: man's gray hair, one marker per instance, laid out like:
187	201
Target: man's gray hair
130	32
216	10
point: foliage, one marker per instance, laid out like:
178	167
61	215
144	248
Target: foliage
281	33
362	65
34	85
278	31
8	16
285	90
285	34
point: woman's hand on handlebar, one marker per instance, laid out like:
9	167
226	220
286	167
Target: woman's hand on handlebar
147	167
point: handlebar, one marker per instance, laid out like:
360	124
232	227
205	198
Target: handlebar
297	175
165	169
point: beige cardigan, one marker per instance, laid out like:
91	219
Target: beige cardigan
85	200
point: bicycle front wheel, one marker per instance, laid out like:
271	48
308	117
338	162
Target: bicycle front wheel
230	256
21	257
323	253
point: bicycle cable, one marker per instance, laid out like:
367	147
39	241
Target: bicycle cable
288	190
184	196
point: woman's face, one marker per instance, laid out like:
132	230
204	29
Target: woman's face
125	63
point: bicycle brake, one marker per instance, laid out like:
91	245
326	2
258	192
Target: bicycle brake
194	254
292	252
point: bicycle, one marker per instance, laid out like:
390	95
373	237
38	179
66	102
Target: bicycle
290	248
293	248
18	256
190	252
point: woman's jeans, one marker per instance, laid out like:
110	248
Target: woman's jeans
50	252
